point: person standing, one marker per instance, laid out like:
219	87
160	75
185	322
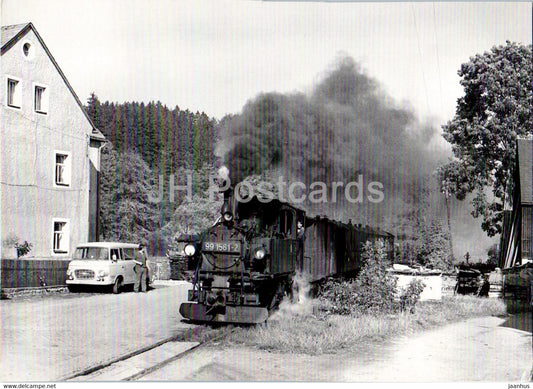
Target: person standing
484	286
140	271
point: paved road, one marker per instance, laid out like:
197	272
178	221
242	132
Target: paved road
46	339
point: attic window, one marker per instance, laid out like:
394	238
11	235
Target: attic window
27	50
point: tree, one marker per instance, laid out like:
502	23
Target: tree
493	253
94	109
150	145
375	287
125	211
434	249
494	110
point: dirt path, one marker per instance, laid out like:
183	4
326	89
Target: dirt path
480	349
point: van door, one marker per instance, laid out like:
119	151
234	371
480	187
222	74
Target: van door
129	264
115	266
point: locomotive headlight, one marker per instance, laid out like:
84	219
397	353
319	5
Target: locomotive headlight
227	216
190	250
259	253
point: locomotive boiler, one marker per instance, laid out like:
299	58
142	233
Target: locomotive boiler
243	266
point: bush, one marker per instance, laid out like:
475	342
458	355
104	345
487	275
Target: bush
22	248
410	295
371	292
375	288
337	297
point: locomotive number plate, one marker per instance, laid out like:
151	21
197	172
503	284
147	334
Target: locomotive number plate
230	247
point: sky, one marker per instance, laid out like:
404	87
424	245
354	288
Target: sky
213	56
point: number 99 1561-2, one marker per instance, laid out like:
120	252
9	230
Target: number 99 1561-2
221	247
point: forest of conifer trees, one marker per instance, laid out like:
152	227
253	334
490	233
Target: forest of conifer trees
147	145
150	144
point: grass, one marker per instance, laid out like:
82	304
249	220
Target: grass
296	330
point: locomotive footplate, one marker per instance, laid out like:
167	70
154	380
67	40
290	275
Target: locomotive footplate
232	314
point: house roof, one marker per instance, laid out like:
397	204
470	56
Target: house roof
525	169
12	34
9	32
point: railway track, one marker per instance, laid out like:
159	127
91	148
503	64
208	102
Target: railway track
137	364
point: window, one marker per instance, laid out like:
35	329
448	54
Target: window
40	99
115	254
61	236
28	50
63	164
285	224
14	97
129	253
98	253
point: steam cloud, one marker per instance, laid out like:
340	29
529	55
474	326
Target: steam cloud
345	127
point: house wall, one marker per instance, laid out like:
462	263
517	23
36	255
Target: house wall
30	200
527	233
94	188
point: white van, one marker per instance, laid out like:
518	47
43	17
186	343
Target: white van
106	264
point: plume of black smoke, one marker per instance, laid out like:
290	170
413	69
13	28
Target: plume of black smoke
345	127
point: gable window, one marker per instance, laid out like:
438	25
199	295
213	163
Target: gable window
40	99
14	96
28	51
61	236
63	168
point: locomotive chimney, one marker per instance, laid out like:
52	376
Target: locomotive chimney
224	184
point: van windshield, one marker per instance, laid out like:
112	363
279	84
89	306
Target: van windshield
96	253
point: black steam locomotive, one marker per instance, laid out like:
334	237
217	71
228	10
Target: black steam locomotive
244	265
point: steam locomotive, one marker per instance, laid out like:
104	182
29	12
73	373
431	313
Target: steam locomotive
243	266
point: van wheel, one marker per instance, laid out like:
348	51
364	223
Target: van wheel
117	286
